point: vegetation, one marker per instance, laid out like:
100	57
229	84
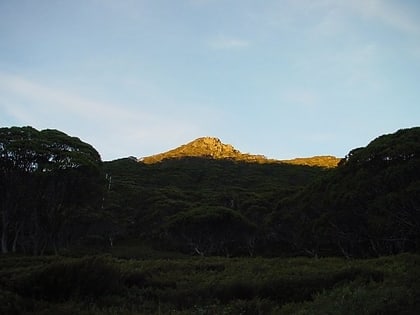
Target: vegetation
173	202
368	206
105	285
203	235
323	161
48	182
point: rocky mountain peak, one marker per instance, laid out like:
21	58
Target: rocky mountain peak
214	148
209	147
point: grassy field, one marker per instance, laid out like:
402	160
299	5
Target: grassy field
209	285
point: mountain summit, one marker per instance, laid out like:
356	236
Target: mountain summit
208	147
211	147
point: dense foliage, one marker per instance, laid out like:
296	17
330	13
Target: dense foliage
202	205
164	225
56	193
48	182
104	285
369	205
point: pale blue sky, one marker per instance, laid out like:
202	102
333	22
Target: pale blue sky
283	78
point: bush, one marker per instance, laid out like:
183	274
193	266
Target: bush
356	299
83	278
10	303
103	285
251	307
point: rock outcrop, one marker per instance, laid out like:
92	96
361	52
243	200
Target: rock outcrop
323	161
213	148
206	147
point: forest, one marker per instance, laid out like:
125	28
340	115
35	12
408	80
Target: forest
199	235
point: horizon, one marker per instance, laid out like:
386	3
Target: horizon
140	157
233	145
284	79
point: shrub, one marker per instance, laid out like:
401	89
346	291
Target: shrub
251	307
84	278
354	298
10	303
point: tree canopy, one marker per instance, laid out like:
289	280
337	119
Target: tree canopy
46	178
55	191
369	205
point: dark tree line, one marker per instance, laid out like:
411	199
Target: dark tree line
203	206
49	182
54	194
369	205
211	230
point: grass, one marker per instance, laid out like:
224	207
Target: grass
212	285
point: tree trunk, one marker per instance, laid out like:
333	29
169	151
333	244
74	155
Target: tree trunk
15	240
4	248
4	234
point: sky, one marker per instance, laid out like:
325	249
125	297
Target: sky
282	78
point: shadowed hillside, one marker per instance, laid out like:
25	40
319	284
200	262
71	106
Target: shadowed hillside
169	230
206	198
200	194
368	205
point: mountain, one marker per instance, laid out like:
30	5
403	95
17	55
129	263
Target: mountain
322	160
208	198
214	148
207	147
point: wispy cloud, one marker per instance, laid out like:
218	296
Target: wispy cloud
333	15
300	97
396	14
226	43
49	100
391	13
115	130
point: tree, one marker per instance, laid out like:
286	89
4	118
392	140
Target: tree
368	205
47	180
211	230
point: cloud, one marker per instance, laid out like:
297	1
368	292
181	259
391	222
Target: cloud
301	97
127	8
395	15
51	100
392	13
116	130
225	43
200	2
334	15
